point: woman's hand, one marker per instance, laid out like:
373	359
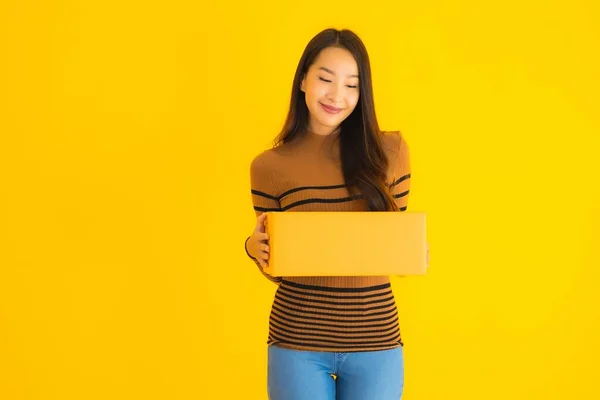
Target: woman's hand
258	244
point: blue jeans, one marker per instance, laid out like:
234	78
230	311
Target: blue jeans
307	375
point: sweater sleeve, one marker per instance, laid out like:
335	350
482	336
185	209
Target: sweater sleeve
400	168
264	197
399	164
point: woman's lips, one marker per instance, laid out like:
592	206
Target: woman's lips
330	109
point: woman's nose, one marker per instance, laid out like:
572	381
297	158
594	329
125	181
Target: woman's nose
336	95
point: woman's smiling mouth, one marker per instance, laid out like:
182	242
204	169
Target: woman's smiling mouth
330	109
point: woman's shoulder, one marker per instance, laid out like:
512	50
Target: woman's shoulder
269	158
392	140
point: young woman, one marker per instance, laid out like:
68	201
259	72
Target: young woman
331	337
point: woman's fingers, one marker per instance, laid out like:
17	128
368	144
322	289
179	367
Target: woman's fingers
263	260
262	237
260	222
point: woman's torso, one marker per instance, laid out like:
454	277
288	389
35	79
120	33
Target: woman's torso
348	313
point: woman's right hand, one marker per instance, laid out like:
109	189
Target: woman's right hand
258	244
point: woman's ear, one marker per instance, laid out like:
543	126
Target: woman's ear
302	83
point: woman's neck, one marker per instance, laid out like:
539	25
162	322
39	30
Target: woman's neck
322	135
320	144
323	131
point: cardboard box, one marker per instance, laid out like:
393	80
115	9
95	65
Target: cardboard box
346	243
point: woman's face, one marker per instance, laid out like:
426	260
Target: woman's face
331	89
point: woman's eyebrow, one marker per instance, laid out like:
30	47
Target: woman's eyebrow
333	73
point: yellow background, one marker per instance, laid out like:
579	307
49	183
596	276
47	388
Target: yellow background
127	130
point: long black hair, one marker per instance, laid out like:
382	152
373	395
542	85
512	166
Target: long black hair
364	161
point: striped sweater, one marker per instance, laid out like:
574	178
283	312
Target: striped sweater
340	314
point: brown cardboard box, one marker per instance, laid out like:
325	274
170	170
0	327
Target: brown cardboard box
346	243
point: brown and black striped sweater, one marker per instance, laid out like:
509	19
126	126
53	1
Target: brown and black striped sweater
339	314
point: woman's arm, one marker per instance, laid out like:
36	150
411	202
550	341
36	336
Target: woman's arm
263	199
400	171
400	168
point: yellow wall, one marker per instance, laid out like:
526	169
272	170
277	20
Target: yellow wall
127	129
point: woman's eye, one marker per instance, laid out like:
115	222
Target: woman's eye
328	81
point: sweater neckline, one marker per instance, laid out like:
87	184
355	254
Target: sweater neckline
319	145
321	138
